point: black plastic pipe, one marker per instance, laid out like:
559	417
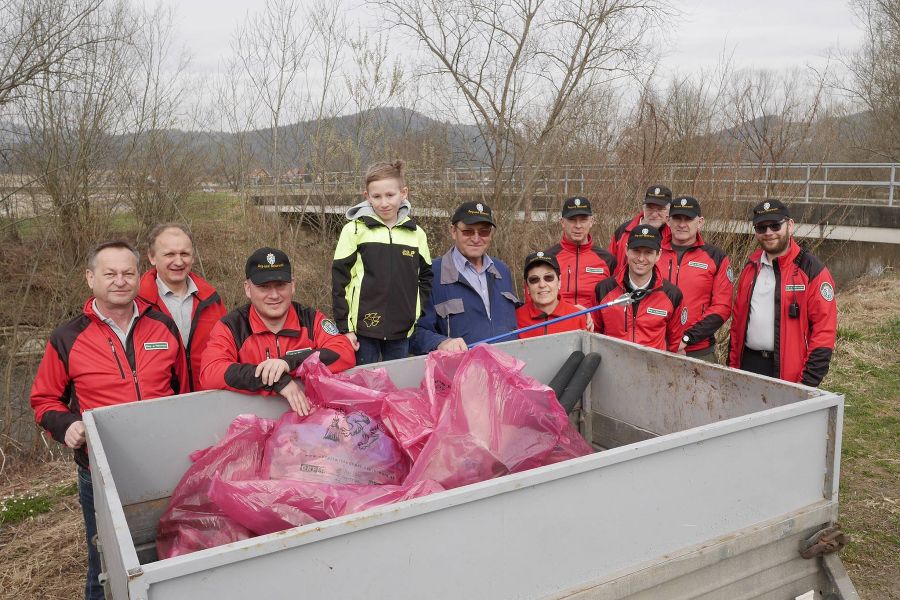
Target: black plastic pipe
579	382
564	375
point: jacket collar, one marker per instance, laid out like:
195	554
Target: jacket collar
783	260
88	309
567	244
667	242
535	313
290	328
655	283
450	274
149	293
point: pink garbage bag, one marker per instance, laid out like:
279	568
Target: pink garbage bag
266	506
330	446
192	521
494	421
361	390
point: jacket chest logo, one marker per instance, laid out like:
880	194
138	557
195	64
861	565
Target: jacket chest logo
597	270
156	345
657	311
698	265
795	288
372	319
408	253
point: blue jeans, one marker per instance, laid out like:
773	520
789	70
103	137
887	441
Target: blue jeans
372	350
92	588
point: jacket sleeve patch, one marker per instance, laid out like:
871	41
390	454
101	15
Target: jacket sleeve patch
684	315
329	327
827	291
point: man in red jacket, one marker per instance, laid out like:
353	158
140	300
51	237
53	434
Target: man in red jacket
656	320
256	348
654	212
172	288
582	264
117	351
703	274
785	317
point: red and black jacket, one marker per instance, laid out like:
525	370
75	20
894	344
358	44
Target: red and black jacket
618	244
240	341
581	269
208	309
85	366
529	314
704	276
803	344
657	320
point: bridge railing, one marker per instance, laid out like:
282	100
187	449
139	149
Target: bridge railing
845	183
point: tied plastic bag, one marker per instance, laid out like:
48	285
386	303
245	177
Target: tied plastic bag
330	446
192	521
494	420
360	390
267	506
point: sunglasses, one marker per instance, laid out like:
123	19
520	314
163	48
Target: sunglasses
483	232
536	279
775	227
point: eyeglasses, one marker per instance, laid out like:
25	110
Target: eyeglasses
775	227
483	232
536	279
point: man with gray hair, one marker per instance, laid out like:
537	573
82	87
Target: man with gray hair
117	350
172	288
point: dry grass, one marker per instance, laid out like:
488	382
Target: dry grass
44	557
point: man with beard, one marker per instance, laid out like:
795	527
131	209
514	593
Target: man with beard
785	317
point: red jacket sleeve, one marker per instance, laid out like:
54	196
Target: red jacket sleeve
221	369
719	309
335	350
50	395
821	309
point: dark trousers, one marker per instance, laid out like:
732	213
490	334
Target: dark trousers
372	350
92	588
759	362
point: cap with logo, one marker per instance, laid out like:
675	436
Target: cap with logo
473	212
658	194
538	258
645	236
685	205
576	205
770	210
268	264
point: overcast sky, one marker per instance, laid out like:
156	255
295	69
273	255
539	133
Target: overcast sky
760	33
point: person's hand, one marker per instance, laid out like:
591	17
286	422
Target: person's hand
681	348
590	323
453	345
296	398
271	370
75	437
353	341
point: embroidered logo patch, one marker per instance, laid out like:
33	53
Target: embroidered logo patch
156	345
270	258
599	270
684	315
409	252
657	311
329	327
799	287
699	265
827	291
730	274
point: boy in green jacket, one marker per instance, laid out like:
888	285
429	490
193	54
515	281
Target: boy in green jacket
381	274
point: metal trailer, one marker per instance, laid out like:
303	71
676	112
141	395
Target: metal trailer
710	481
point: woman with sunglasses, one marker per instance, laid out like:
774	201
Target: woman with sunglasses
544	303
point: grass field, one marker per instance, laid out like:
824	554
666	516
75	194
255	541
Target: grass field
42	538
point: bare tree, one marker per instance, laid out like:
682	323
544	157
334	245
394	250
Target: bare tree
38	36
875	76
518	67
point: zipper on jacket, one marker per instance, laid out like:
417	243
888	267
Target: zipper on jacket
130	344
569	278
577	252
116	356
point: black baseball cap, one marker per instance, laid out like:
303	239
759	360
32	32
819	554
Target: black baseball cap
540	258
268	264
473	212
576	205
685	205
658	194
770	210
645	236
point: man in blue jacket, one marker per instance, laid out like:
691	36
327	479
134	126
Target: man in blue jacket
472	297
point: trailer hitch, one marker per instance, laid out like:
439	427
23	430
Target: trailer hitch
825	541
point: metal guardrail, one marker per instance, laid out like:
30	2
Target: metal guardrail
853	183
